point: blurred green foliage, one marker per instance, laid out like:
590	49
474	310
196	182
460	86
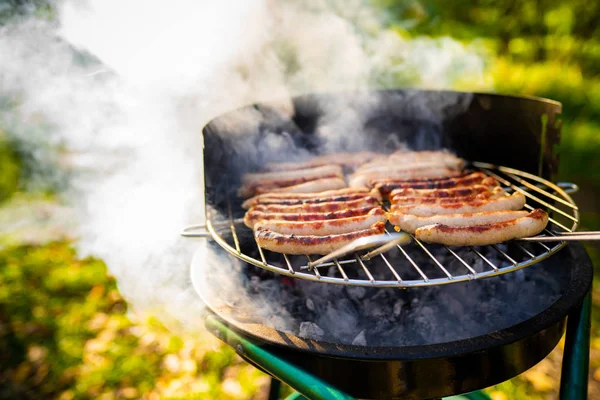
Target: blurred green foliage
64	334
10	168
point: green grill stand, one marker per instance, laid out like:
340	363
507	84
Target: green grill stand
307	386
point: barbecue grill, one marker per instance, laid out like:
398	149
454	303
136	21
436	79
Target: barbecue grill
510	138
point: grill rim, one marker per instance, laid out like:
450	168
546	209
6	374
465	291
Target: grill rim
502	354
579	285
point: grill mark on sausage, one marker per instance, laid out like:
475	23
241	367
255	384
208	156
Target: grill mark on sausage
311	186
387	186
317	207
480	235
250	188
324	227
252	217
442	193
310	244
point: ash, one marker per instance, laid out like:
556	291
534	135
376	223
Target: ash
367	316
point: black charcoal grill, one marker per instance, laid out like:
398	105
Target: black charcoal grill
396	357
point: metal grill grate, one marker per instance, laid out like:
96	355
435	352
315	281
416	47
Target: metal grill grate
417	263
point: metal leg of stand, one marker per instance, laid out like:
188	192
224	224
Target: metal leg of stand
295	396
576	358
305	383
274	389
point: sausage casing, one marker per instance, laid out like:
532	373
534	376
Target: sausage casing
452	192
481	235
310	244
386	186
317	172
516	201
317	185
317	207
313	197
324	227
410	223
252	217
371	178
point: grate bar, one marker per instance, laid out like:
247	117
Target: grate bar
555	222
436	262
339	267
484	258
236	241
533	187
527	194
327	264
463	262
262	254
541	191
364	267
289	264
509	258
387	263
314	270
411	261
530	254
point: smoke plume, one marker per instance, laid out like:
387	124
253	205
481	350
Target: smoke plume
118	91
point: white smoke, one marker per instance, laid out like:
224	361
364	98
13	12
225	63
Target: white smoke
130	124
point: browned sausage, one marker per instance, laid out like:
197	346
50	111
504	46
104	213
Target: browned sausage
313	197
318	185
387	186
252	217
514	202
481	235
324	227
317	207
300	244
409	223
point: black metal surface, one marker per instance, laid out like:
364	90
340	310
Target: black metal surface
513	131
504	130
437	370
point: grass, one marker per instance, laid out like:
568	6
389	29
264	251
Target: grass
65	334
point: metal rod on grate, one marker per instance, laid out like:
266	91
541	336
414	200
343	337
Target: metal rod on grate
484	258
435	260
463	262
527	194
378	257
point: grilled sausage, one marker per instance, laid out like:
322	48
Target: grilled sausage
385	186
317	207
391	165
315	197
514	202
318	172
252	217
344	159
369	179
409	223
324	227
252	188
447	193
481	235
414	157
405	201
318	185
300	244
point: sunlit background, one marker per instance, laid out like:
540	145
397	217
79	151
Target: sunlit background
101	106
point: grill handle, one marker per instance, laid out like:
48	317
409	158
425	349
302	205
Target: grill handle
564	236
307	384
568	187
195	231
